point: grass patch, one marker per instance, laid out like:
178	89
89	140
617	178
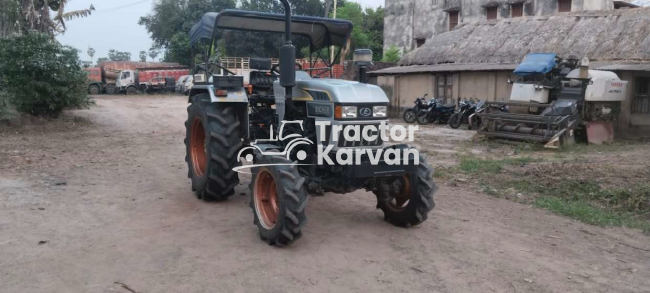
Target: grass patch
596	148
583	200
585	212
474	165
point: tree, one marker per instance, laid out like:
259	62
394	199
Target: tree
91	53
42	77
100	60
10	17
154	52
393	54
373	27
37	15
115	55
143	56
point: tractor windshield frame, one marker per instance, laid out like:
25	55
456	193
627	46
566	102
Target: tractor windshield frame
321	32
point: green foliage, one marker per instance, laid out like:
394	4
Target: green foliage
586	212
154	52
171	21
473	165
40	76
393	54
10	18
143	56
115	55
102	59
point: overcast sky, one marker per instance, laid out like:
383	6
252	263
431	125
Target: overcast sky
114	25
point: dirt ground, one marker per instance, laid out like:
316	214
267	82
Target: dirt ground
100	202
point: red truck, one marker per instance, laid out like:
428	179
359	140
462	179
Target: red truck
140	79
103	78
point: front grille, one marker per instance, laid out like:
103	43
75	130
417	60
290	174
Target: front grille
343	143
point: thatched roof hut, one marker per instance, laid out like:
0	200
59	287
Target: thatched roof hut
605	37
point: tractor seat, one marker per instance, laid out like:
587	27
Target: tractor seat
261	78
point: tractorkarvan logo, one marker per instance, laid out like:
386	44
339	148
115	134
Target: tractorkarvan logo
343	156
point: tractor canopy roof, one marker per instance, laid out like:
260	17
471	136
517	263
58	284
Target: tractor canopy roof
322	32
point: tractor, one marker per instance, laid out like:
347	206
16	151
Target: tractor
278	125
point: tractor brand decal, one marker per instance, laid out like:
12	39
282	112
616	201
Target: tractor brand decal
299	149
320	110
365	111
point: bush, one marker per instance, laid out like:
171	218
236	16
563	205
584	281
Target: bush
392	55
40	76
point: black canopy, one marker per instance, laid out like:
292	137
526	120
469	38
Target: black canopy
322	32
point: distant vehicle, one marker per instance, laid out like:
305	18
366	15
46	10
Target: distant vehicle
161	85
103	78
411	114
180	82
187	85
132	81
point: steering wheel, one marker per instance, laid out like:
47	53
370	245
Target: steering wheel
276	67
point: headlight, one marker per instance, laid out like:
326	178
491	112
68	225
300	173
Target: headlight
349	112
379	111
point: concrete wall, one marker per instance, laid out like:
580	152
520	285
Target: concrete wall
408	20
402	90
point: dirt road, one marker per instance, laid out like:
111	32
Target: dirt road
102	203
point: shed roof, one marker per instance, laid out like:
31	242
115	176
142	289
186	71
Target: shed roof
443	68
609	36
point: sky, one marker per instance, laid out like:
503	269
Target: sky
114	25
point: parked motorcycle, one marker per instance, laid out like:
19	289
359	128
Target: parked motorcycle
410	115
436	111
467	108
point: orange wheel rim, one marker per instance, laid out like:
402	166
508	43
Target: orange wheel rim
401	200
266	199
197	148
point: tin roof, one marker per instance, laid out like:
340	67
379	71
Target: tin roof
450	67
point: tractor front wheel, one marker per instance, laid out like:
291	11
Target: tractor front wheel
278	200
406	201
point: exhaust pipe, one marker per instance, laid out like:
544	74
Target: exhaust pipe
287	66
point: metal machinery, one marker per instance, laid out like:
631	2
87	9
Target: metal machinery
554	101
230	122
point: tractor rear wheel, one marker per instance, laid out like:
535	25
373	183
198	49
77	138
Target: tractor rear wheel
278	200
212	141
407	201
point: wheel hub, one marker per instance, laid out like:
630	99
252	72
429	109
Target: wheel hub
265	195
400	193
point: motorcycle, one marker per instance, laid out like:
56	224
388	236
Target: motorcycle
467	108
436	111
410	115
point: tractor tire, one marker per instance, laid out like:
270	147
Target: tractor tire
455	121
403	205
423	118
131	91
111	89
212	141
409	116
93	90
278	200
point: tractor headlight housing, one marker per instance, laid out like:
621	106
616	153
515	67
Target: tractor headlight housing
348	112
379	111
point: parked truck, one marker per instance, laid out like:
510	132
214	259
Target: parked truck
148	79
102	78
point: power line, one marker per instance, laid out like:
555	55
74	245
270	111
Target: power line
122	6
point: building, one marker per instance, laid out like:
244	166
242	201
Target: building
476	59
408	24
